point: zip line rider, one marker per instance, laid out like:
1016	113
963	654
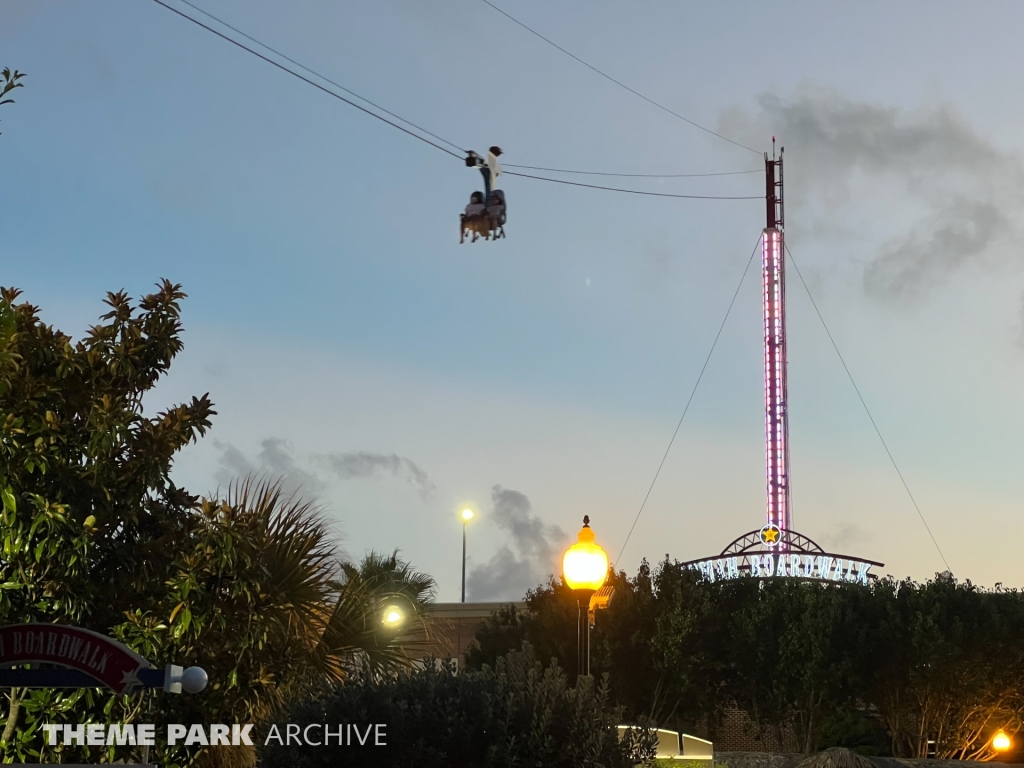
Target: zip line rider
489	167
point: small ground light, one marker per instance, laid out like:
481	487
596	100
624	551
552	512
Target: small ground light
1001	742
393	616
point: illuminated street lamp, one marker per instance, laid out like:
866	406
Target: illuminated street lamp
584	570
1001	742
467	515
393	617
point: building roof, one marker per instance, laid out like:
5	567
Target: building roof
468	610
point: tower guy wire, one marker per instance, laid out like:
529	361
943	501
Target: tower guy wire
635	191
689	400
617	82
867	410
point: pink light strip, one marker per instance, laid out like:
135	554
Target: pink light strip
776	427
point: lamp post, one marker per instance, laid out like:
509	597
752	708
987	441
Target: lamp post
584	570
467	515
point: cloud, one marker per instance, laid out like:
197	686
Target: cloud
526	560
274	460
847	537
953	197
361	464
937	248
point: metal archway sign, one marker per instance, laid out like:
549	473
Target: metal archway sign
772	552
76	658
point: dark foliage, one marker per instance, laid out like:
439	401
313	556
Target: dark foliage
881	669
516	713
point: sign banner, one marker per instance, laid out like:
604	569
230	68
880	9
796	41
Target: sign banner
816	567
107	661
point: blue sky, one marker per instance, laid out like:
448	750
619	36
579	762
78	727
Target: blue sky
351	344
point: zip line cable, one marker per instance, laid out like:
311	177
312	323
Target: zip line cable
634	191
316	85
388	112
361	108
576	184
317	74
692	393
617	82
867	410
633	175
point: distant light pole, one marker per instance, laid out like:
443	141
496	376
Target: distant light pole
584	570
467	515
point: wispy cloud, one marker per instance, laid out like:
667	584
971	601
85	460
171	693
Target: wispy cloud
958	196
277	458
361	464
526	559
847	537
274	459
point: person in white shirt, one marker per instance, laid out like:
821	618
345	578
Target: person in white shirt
489	167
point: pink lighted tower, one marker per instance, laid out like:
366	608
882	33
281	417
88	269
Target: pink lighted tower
776	549
776	420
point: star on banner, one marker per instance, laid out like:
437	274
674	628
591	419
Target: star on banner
130	679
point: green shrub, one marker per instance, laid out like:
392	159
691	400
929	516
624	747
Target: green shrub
514	714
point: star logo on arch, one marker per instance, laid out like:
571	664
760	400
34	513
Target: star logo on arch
771	534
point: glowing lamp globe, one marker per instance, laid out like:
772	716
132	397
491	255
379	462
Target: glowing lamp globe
1001	742
467	515
393	616
585	564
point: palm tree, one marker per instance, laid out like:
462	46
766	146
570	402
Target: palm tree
263	602
359	634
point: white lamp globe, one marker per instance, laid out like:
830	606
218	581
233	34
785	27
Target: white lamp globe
194	679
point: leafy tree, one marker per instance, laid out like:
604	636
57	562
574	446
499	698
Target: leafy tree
257	600
95	533
75	435
500	634
89	508
798	640
549	625
9	83
948	666
815	664
655	673
354	633
621	648
691	643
